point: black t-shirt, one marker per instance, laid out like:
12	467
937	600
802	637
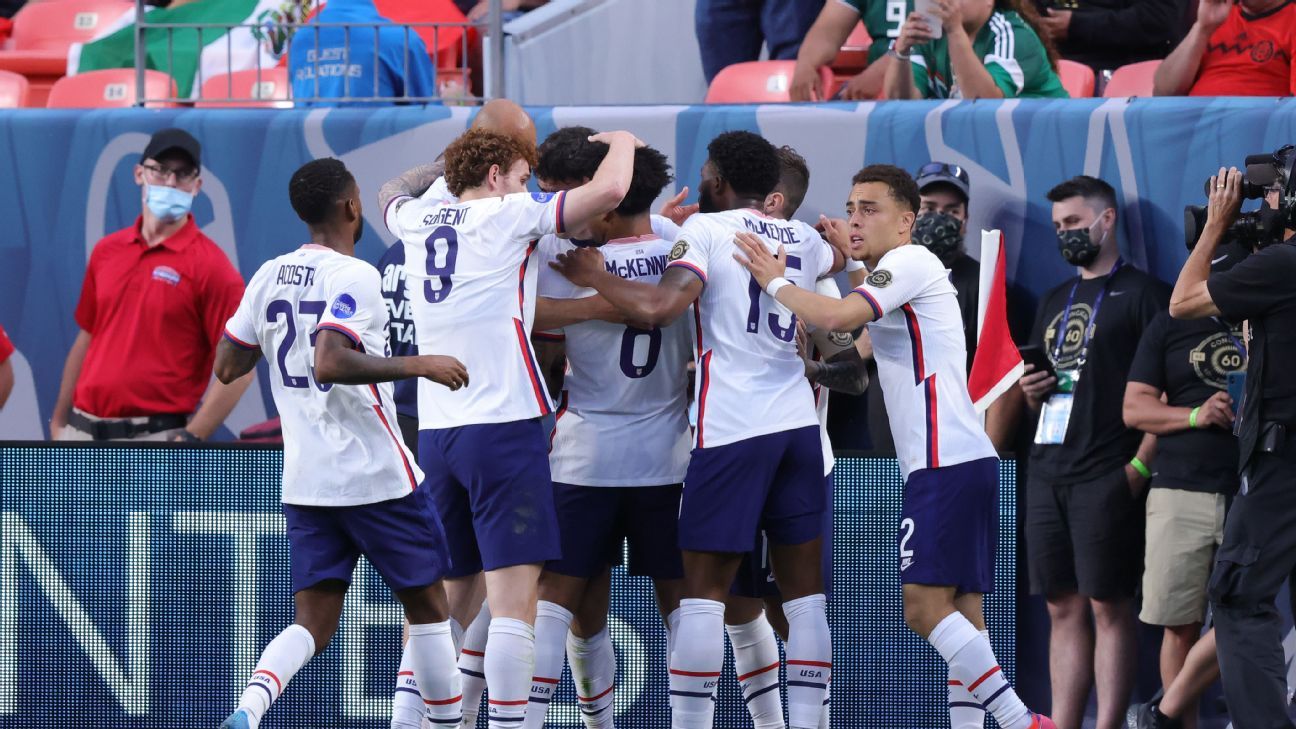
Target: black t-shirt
965	274
1189	361
1262	290
1097	441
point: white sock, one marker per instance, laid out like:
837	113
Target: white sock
593	667
472	665
407	703
756	661
672	627
824	718
551	626
456	634
280	661
695	663
432	658
510	663
972	663
809	659
964	710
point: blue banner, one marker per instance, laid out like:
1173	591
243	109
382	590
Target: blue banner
138	585
71	182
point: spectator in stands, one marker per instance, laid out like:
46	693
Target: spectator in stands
1087	470
988	49
153	305
1234	50
6	367
1188	361
480	9
733	31
1107	34
830	30
342	63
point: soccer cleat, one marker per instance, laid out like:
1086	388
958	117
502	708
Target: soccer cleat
1039	721
240	719
1149	716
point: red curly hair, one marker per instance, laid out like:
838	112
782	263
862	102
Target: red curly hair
469	158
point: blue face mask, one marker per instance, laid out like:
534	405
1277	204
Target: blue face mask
167	204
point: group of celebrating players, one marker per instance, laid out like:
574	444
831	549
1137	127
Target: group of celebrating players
527	505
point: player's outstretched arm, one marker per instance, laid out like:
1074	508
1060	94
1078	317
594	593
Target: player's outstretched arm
609	185
412	183
337	361
842	369
232	362
642	303
558	313
824	312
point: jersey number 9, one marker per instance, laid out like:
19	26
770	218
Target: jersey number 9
446	239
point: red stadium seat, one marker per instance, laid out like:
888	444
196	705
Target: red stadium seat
43	32
270	86
758	82
13	90
1077	79
1134	79
853	56
113	87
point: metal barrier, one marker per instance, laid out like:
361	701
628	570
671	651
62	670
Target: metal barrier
280	36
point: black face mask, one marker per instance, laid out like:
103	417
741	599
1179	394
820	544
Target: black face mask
939	233
1077	246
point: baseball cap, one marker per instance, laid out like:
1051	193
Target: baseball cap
934	172
168	139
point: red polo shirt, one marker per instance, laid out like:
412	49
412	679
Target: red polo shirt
6	346
154	316
1250	55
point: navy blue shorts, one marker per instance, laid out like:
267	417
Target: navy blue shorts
949	526
594	521
490	485
402	538
756	573
772	482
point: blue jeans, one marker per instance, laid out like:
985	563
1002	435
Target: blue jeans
732	31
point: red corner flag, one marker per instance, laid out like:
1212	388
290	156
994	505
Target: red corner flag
997	364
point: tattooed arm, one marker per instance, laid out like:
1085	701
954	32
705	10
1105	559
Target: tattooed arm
412	183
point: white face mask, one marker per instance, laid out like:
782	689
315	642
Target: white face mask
167	204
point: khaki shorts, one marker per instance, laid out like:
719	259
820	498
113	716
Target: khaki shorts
1184	528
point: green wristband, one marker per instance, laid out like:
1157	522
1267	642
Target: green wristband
1138	466
1192	417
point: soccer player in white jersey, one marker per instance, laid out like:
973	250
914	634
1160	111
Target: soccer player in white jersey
950	516
754	610
350	487
429	184
483	447
757	461
621	438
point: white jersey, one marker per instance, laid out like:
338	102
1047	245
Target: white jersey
341	445
665	228
471	286
439	193
825	287
919	346
622	419
750	378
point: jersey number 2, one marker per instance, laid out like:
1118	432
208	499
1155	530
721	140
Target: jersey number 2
754	291
447	238
282	307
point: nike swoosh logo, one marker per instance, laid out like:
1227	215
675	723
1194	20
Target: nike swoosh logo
1117	293
1217	260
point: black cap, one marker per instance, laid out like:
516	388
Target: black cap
939	172
166	140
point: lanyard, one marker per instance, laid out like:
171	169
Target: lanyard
1093	318
1228	332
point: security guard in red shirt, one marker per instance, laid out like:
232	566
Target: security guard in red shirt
155	298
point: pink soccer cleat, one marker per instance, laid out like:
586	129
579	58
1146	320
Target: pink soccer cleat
1039	721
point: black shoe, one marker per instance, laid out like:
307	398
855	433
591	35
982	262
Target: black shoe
1149	716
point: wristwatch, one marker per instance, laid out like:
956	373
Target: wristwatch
891	51
185	436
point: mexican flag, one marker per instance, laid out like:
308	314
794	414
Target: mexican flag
192	55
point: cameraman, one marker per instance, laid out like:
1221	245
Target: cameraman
1259	547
